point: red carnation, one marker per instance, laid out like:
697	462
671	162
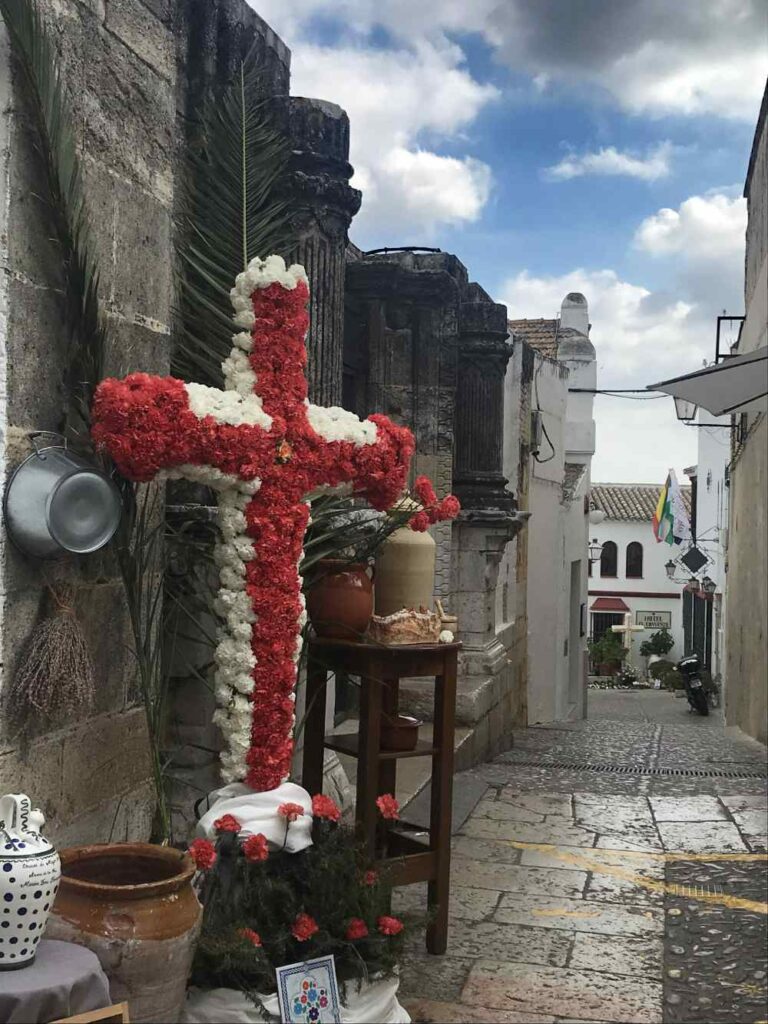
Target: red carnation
304	927
356	929
449	507
290	811
420	522
203	854
256	848
324	807
253	937
388	806
370	878
227	823
424	491
389	925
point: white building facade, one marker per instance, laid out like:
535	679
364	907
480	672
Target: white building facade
631	576
562	446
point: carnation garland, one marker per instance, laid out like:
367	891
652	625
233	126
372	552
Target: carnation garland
264	448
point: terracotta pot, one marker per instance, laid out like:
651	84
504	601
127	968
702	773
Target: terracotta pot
133	905
340	601
400	733
405	572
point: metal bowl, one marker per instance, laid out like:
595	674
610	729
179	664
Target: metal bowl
56	503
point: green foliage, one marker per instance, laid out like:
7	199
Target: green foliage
607	650
659	669
230	212
660	643
65	206
325	881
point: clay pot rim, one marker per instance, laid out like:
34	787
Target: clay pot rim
142	890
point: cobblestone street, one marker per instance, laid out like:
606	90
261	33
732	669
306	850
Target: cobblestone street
591	883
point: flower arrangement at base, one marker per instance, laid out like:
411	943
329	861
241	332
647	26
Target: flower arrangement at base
260	913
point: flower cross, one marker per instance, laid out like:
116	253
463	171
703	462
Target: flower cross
264	448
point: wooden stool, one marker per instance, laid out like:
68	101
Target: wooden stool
381	669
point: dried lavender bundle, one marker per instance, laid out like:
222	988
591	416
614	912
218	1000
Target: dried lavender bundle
55	676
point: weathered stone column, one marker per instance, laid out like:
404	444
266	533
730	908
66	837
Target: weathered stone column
324	206
478	479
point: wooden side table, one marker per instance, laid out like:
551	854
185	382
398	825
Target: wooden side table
380	670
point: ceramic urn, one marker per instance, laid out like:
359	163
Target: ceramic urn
29	878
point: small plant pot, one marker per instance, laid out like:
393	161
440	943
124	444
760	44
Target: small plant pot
401	733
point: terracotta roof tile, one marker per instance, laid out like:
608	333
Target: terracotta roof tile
539	334
631	502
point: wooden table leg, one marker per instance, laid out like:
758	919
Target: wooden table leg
369	737
390	698
314	727
438	891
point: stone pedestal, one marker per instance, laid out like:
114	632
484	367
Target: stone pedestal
324	206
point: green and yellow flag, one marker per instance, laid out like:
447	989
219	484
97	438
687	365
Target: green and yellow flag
670	520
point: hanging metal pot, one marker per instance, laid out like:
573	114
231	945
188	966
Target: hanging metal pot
57	503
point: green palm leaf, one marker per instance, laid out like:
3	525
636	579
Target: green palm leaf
231	211
65	204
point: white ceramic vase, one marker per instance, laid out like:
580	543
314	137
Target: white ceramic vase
29	877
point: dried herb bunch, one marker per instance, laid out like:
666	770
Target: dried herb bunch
55	674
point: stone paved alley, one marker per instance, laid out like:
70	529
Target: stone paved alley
588	895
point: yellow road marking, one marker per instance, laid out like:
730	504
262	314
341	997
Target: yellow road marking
583	861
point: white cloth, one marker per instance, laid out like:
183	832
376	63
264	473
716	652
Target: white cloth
257	812
375	1003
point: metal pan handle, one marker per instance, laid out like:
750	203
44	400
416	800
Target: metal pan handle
33	435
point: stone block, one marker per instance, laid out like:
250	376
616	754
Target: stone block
103	758
129	112
36	771
434	977
143	33
124	818
132	347
522	832
637	958
701	837
35	352
103	615
689	808
514	878
599	997
505	943
579	916
460	1013
142	247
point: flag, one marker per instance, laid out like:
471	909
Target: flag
670	520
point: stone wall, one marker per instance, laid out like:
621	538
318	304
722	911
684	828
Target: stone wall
746	695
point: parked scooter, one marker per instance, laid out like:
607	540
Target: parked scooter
689	668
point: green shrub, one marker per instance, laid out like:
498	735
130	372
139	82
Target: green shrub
659	669
660	642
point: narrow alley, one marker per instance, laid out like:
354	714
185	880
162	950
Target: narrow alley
607	870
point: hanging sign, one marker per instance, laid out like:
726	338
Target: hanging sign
654	620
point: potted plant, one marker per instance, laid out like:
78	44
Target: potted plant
266	907
658	644
607	654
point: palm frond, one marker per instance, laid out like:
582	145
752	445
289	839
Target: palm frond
65	201
231	211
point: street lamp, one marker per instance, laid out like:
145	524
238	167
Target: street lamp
669	568
693	585
708	585
595	550
685	410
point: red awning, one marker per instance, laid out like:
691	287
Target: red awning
608	604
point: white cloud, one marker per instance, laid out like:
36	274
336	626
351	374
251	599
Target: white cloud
650	56
398	101
640	337
611	161
709	227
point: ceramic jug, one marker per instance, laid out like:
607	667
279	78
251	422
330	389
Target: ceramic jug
29	878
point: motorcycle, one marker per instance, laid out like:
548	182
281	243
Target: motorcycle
689	668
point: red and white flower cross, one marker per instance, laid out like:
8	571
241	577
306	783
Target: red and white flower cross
264	448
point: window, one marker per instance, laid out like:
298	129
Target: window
609	559
634	560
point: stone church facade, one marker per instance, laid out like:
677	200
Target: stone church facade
405	333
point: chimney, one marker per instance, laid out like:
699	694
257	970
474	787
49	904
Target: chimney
574	313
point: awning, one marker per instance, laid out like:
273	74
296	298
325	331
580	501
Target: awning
608	604
731	386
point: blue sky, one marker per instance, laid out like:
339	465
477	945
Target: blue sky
559	145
